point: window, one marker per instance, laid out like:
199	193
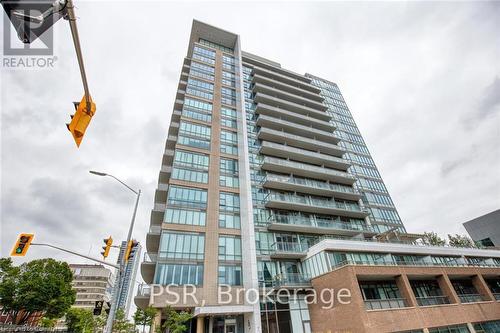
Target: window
228	220
230	275
196	104
191	167
204	52
185	216
187	197
179	274
229	173
229	142
194	135
201	89
228	117
450	329
229	248
228	79
229	202
215	46
228	96
182	245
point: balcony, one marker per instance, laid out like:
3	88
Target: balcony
379	304
294	89
302	155
148	267
300	169
143	295
285	78
432	300
294	117
301	139
315	225
496	296
310	186
472	298
153	238
291	280
290	97
288	250
313	205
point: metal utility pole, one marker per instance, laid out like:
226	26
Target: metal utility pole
119	277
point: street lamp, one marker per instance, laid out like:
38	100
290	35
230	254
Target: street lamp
118	284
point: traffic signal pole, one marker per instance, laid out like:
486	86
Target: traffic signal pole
76	40
75	253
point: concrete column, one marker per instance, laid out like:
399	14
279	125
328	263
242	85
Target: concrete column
156	321
426	330
404	287
200	324
482	287
447	288
211	325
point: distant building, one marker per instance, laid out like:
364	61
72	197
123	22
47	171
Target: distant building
485	229
129	279
92	283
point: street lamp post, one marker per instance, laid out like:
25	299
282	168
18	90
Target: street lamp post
118	283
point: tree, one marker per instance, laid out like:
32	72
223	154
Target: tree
121	323
432	238
460	241
145	317
80	320
175	322
42	285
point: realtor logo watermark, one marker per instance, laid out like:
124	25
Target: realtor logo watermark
28	38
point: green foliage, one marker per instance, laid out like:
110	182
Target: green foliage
121	324
80	320
48	323
145	317
40	285
432	238
176	321
460	241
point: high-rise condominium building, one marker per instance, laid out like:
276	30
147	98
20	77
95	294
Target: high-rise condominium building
129	276
92	283
266	185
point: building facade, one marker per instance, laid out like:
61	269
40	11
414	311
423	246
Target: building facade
485	229
266	184
92	283
129	276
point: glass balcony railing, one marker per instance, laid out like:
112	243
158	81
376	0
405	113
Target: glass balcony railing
311	201
155	229
432	300
150	257
291	279
497	296
318	222
391	303
311	183
289	247
471	298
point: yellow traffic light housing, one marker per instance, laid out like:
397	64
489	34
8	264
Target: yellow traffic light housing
22	244
81	119
130	246
107	247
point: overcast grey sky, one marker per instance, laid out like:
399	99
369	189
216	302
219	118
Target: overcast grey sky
421	79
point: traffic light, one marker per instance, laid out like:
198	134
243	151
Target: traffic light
81	119
22	244
108	242
130	246
98	308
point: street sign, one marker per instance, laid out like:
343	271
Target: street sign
98	308
31	18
